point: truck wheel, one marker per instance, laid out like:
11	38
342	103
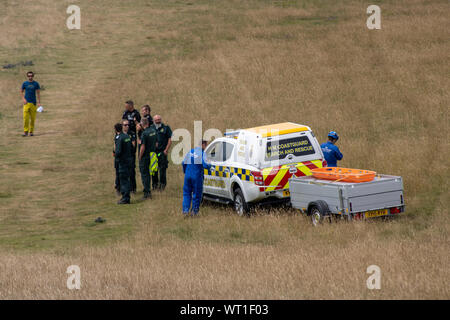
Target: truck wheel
240	205
318	210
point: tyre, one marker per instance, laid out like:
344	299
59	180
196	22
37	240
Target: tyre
318	210
240	206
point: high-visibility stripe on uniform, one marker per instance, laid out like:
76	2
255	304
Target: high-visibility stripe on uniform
153	167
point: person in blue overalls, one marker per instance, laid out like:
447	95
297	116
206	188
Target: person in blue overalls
330	150
193	165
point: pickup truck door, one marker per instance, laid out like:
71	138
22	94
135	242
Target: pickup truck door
214	182
227	157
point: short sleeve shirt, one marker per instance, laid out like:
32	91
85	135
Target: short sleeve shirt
123	147
164	133
150	122
30	90
130	116
149	140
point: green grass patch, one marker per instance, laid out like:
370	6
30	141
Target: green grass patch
309	20
5	195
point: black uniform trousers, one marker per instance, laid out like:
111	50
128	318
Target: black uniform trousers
144	168
133	173
133	169
124	179
117	182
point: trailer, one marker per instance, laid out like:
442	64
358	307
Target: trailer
326	199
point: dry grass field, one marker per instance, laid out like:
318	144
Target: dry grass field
230	64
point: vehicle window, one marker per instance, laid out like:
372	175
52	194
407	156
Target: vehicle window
214	153
280	149
227	150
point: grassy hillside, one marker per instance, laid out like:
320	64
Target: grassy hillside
230	64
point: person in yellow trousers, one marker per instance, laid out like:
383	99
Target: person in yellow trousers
30	89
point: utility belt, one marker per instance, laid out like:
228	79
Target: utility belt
148	155
162	159
160	148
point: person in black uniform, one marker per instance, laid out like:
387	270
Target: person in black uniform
148	145
118	130
145	113
164	141
123	152
133	117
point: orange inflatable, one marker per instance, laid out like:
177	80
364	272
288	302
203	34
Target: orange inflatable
343	174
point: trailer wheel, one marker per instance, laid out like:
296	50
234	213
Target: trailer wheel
240	205
318	210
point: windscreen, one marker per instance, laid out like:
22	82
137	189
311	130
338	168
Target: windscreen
280	149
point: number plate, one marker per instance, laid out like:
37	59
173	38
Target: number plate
376	213
286	193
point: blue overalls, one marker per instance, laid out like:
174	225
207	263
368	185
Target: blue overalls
331	153
193	164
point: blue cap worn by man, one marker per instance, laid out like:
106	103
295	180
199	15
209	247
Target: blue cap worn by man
193	164
330	151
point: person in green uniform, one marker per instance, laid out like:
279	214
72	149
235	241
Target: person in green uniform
118	130
148	144
145	113
164	141
124	154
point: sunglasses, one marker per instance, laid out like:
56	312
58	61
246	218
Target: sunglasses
126	125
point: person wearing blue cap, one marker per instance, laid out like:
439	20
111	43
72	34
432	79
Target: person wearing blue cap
330	151
194	164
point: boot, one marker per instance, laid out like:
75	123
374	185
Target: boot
147	196
123	201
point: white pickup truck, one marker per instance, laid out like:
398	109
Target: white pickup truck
254	165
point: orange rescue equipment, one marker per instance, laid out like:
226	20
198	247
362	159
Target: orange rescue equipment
343	174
